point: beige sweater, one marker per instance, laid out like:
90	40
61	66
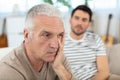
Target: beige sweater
16	66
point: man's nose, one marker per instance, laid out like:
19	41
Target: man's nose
80	21
54	43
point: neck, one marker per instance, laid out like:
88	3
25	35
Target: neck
76	37
37	65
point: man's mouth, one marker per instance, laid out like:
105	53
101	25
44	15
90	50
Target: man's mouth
79	27
52	52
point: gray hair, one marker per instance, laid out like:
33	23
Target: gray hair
45	9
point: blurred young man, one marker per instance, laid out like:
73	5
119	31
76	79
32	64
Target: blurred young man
84	50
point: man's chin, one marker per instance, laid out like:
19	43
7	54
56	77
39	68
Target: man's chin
51	60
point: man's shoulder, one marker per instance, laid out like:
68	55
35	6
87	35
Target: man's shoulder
10	57
11	66
8	73
92	35
11	62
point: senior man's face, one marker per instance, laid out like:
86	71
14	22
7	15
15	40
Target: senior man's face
44	41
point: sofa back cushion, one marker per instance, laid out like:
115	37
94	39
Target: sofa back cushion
113	53
5	51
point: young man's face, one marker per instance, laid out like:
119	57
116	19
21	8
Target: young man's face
79	22
44	41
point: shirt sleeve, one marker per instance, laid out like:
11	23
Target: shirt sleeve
100	48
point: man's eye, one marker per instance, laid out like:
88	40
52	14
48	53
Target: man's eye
60	35
76	17
46	35
85	20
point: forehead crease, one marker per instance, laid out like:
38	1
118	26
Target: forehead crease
53	30
51	24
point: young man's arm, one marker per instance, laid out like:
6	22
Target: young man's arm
103	70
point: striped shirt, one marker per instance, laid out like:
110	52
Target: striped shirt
82	54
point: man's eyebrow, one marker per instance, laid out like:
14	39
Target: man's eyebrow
76	16
62	32
45	31
41	33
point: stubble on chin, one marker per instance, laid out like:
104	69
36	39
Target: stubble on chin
78	33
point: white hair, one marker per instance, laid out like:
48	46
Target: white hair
45	9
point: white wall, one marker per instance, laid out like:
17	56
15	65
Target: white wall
14	28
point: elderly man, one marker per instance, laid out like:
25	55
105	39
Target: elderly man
40	55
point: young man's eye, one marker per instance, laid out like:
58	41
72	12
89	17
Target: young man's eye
76	17
84	20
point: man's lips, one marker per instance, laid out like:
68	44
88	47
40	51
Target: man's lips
79	27
52	52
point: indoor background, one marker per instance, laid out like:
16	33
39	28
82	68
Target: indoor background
12	16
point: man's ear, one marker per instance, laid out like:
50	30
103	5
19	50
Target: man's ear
26	34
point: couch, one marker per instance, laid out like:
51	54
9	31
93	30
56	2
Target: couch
113	54
4	51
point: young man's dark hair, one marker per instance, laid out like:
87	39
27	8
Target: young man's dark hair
84	8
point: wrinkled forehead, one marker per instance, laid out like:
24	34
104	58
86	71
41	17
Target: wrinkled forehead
49	23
